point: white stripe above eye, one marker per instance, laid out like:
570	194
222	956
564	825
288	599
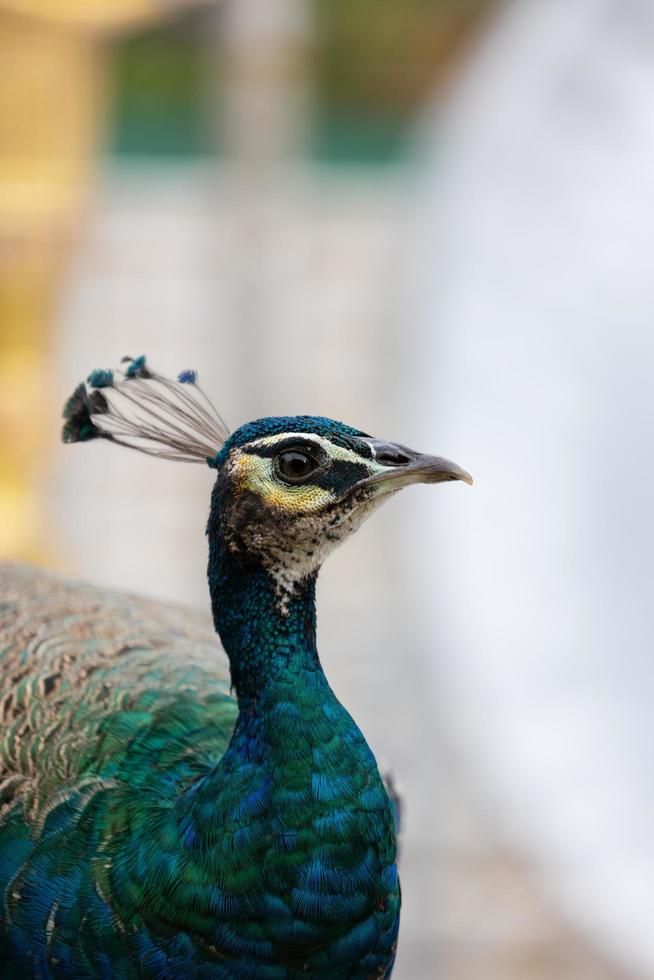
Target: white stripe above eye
331	448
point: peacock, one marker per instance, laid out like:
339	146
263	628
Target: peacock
168	810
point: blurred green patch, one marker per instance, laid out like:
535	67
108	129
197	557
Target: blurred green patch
160	92
372	65
376	62
349	137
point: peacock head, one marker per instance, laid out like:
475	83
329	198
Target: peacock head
288	489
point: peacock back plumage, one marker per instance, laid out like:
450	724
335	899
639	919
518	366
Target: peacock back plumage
106	700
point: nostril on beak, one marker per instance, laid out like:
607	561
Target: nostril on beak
392	458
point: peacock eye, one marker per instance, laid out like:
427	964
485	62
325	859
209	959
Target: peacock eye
294	466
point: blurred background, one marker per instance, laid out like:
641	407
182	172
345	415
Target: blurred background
432	220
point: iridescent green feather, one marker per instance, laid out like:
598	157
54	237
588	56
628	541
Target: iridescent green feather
132	838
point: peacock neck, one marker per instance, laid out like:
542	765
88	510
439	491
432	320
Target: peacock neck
269	643
290	836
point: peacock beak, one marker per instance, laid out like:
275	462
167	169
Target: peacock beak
398	466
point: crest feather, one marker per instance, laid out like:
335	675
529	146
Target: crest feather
134	406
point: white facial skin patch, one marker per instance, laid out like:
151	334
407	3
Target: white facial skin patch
311	520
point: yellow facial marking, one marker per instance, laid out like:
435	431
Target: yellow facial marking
255	473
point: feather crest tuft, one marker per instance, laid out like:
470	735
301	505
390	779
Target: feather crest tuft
79	426
136	407
136	367
100	378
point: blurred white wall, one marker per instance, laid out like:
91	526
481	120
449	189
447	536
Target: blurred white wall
531	309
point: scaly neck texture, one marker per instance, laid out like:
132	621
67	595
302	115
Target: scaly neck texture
265	646
307	832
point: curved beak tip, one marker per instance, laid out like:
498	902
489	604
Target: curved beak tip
441	470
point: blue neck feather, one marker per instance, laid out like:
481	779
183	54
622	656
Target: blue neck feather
263	644
297	772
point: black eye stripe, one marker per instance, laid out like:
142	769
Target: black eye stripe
307	445
335	475
276	448
342	475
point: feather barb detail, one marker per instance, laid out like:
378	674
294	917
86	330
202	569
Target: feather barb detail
136	407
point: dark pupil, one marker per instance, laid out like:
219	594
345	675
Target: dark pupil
295	466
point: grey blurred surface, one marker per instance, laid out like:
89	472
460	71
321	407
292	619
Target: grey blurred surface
532	305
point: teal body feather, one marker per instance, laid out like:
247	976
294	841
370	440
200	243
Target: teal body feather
168	809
